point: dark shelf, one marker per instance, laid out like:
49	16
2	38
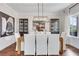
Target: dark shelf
23	26
53	26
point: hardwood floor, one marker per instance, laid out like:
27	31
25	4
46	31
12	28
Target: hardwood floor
10	51
71	51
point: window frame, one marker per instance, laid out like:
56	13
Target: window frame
76	26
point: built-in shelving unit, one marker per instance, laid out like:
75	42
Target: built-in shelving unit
23	26
54	26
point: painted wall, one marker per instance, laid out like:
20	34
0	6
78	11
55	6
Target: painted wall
74	41
8	40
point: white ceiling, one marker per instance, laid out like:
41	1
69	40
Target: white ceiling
32	8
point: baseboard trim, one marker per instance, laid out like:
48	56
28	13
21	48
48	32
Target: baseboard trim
7	47
72	46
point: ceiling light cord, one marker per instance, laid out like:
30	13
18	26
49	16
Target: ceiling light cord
38	9
42	9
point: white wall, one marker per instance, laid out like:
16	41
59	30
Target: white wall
74	41
62	21
74	10
8	40
6	9
71	40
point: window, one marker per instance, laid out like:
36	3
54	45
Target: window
73	26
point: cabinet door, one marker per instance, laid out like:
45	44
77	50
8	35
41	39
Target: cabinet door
23	25
53	44
41	44
29	44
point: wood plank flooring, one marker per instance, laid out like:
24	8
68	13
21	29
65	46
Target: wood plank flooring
10	51
71	51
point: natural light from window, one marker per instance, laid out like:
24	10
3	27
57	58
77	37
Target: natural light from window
73	26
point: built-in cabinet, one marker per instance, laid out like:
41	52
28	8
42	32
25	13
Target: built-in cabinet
23	26
54	26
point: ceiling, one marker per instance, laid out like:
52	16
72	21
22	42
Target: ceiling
32	8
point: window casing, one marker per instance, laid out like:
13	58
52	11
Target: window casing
73	26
